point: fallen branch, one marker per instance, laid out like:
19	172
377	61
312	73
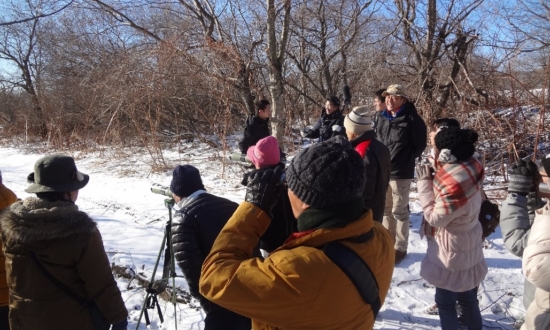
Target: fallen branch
182	296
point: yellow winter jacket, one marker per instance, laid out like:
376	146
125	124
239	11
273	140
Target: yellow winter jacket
297	286
7	197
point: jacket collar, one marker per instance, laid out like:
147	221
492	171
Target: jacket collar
368	135
322	236
35	220
189	199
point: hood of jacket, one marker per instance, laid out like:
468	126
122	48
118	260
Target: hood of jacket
35	220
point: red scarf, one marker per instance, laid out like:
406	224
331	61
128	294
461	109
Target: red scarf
299	234
362	147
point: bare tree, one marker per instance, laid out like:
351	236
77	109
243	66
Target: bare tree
436	36
19	46
276	53
325	37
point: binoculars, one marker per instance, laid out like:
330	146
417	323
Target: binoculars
161	190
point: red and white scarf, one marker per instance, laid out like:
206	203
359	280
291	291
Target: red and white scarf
455	183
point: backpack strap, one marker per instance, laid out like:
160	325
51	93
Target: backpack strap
356	269
57	282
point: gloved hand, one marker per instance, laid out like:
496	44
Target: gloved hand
262	189
123	325
424	172
524	177
307	131
336	128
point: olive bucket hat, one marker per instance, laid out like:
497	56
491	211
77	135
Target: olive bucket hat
56	173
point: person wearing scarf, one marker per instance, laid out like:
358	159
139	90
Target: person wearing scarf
297	286
451	200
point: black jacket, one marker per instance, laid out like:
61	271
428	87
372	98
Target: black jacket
283	222
405	136
377	167
256	129
322	129
195	227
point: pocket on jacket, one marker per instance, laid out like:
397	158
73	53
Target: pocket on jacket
398	132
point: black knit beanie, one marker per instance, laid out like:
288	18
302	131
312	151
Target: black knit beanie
459	141
327	173
186	179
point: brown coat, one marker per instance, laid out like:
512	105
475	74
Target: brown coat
7	197
69	245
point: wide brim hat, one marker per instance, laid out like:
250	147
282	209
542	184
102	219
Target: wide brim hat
396	90
56	173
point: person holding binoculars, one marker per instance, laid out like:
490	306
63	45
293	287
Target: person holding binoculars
525	225
306	283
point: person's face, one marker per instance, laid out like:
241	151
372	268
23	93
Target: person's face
351	135
73	195
330	108
265	113
433	133
298	207
379	105
394	102
176	198
545	180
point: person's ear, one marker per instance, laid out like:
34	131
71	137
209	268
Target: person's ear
305	206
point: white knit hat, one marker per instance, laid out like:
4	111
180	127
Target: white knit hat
359	120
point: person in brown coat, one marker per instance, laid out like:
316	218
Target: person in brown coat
67	244
7	197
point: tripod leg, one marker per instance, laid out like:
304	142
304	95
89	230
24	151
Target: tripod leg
173	270
151	281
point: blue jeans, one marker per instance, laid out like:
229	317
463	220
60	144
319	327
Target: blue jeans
446	301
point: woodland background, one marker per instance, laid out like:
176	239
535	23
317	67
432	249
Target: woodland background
121	74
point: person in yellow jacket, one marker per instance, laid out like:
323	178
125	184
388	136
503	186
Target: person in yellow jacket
7	197
303	284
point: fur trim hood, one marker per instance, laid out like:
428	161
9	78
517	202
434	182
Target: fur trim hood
35	220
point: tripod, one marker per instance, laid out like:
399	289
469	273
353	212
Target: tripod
169	271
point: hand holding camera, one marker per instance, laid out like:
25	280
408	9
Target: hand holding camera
262	190
424	172
306	132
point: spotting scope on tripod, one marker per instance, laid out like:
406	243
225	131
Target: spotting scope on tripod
156	287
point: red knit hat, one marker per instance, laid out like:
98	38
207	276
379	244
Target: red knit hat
265	152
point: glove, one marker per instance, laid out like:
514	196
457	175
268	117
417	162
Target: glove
262	189
120	325
336	128
524	177
424	172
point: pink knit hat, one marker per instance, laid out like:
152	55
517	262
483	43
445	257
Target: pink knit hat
265	152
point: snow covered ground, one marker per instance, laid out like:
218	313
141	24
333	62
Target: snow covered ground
132	220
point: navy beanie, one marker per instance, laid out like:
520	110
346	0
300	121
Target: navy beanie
327	173
186	179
